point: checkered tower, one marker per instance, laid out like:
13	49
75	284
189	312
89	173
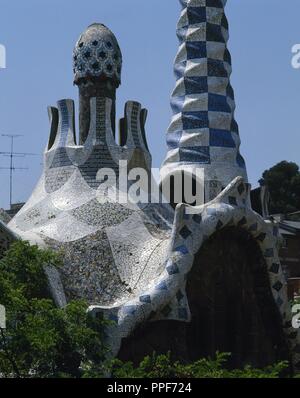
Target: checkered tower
203	132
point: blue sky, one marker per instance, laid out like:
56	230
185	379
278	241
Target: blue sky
39	36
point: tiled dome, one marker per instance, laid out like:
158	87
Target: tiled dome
97	55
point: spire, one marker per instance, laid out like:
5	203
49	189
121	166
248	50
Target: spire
97	62
203	132
97	55
97	66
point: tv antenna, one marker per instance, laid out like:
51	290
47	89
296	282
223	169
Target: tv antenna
11	154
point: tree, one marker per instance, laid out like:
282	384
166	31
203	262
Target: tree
40	339
283	181
162	366
43	341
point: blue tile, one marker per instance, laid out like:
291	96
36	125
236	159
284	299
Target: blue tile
214	33
195	120
177	104
196	49
278	286
227	56
197	218
241	188
131	310
211	211
230	92
234	127
162	286
214	3
218	103
221	138
185	232
216	68
173	139
224	22
179	69
182	32
196	15
172	269
232	201
240	161
186	216
199	154
182	249
145	299
196	85
275	268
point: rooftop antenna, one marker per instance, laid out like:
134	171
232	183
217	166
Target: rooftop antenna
11	154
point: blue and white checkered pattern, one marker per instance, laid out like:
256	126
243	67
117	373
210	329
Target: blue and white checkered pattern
203	131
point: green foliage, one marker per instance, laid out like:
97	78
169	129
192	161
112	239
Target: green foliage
22	267
161	366
283	181
42	340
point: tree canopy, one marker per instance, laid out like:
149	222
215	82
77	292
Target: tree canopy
283	182
41	340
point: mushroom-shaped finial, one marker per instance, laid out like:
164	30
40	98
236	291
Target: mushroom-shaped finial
97	56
